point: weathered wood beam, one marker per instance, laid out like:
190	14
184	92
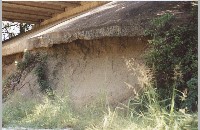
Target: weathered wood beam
73	12
25	11
24	15
11	5
61	4
19	18
36	4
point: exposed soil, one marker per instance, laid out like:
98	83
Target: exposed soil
110	67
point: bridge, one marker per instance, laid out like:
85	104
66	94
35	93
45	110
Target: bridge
43	14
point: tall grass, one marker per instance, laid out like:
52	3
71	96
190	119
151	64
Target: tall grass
145	113
141	113
47	113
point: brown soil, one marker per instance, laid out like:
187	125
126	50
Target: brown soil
112	67
8	64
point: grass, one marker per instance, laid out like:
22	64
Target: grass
142	113
38	114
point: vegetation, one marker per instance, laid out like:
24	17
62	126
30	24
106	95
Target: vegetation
42	80
12	29
31	113
167	103
173	59
39	62
58	113
29	61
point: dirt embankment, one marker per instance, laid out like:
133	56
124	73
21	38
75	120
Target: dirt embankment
112	67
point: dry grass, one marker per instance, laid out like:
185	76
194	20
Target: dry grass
58	113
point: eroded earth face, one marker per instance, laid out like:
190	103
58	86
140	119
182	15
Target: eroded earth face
87	70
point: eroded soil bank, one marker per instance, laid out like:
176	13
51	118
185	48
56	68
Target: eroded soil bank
86	69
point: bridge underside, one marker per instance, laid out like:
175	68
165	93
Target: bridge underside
95	20
41	12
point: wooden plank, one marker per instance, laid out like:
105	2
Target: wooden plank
30	8
19	17
24	15
20	20
25	11
74	2
62	4
73	11
36	4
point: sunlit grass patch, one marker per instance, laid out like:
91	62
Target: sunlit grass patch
46	114
51	114
143	113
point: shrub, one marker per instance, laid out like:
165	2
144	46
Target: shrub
27	60
173	58
38	60
40	72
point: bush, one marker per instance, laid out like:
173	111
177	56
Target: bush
38	60
27	61
40	72
173	58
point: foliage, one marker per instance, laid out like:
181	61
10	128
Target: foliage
58	113
16	110
12	80
192	97
39	114
40	62
173	58
26	62
145	112
40	72
12	29
29	60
